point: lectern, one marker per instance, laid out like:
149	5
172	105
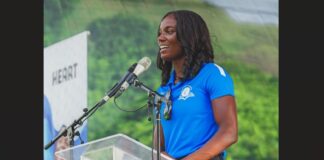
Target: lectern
115	147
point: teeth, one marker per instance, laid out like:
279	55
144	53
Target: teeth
161	47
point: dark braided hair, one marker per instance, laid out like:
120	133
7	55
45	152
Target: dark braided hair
193	35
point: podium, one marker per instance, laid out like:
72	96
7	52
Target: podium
115	147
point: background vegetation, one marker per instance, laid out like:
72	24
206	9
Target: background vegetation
124	31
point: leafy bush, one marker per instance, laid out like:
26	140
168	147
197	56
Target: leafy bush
114	48
54	13
258	111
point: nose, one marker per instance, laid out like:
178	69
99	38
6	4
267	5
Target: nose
161	38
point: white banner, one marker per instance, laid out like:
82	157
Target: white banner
65	83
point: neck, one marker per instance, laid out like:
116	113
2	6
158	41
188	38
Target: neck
178	65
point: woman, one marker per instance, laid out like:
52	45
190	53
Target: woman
203	115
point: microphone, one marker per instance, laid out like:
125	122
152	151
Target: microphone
133	72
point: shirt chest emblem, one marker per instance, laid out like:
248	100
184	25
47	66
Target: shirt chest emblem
186	92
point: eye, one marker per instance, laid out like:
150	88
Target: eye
170	31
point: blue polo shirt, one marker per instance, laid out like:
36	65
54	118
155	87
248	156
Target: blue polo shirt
192	121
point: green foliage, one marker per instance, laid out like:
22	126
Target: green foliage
257	107
54	13
110	36
108	61
55	10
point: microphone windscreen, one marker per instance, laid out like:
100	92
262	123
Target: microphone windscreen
142	65
145	62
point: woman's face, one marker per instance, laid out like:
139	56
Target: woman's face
170	48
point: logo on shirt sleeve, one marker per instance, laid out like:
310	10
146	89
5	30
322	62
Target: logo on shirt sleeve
221	70
186	93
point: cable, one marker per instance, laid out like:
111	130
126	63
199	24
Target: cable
128	110
149	120
92	111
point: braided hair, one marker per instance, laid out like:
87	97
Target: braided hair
193	35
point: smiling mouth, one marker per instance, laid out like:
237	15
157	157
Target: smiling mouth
163	48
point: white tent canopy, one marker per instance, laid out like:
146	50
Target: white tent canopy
254	11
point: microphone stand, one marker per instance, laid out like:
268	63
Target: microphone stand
157	105
70	130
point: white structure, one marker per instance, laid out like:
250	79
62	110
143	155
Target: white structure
253	11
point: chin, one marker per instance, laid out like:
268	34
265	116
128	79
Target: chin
165	57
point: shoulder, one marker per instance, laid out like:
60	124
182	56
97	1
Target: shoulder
213	69
217	81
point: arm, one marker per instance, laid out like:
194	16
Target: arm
224	110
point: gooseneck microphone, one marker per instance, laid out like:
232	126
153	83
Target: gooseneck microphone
133	72
141	66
